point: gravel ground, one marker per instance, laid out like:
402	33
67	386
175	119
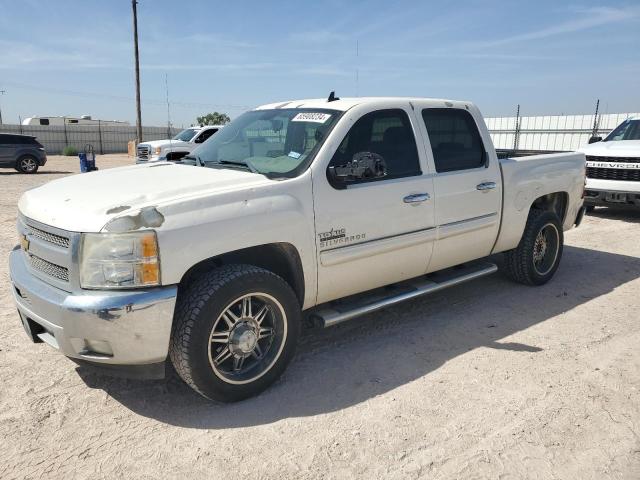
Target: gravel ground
486	380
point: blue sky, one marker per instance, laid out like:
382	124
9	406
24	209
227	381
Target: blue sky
73	57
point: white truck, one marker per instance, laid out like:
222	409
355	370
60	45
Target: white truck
310	211
613	167
174	148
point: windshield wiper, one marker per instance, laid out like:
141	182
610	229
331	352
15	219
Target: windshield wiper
246	164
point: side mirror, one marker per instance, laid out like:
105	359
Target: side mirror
363	166
595	139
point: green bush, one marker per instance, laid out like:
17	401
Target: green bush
70	151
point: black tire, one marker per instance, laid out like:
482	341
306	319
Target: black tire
196	344
27	164
524	264
589	208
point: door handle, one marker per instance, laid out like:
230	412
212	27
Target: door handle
416	198
484	186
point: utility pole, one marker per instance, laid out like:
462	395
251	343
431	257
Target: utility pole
2	92
596	121
134	4
516	136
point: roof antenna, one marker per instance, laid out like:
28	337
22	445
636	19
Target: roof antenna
332	97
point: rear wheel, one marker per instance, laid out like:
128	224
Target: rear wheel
27	164
235	331
536	258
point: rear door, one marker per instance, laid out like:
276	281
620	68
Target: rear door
467	186
8	146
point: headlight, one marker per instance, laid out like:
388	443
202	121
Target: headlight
158	150
119	260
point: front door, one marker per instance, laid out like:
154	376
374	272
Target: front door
373	231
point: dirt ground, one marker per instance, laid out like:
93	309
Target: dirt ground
486	380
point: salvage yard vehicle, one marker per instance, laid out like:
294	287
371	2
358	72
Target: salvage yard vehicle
21	152
174	148
310	211
613	167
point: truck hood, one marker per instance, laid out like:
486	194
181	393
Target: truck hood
86	202
620	148
164	143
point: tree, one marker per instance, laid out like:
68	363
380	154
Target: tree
215	118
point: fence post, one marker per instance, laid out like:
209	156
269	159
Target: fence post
100	138
64	123
596	121
517	132
20	121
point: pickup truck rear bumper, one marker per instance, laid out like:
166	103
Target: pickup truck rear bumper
125	330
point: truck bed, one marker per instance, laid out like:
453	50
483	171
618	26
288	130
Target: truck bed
525	179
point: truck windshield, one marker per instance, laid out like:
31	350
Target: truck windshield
277	143
186	135
627	130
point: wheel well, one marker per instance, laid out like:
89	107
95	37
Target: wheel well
280	258
176	155
553	202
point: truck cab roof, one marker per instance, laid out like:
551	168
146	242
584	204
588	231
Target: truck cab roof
344	104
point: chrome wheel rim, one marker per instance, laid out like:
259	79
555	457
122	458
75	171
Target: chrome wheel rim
545	249
28	164
247	338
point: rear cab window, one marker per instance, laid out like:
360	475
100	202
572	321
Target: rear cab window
455	139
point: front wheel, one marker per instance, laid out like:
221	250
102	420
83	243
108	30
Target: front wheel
536	258
235	331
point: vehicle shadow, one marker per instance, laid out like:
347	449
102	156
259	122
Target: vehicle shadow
39	172
626	214
345	365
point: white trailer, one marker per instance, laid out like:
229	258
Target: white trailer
83	120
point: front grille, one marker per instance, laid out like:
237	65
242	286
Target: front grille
614	174
58	240
48	268
613	159
143	152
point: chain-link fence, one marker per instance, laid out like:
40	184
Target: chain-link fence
104	138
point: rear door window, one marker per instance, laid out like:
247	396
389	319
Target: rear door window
11	139
455	139
205	135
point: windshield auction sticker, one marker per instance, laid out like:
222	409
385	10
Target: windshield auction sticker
316	117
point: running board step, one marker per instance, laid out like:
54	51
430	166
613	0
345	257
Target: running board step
339	311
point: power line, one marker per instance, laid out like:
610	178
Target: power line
122	98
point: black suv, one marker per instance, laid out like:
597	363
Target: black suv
22	152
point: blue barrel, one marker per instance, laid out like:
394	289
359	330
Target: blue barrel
87	162
83	162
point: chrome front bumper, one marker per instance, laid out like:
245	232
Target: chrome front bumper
105	327
150	159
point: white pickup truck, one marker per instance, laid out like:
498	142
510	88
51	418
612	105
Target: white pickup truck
312	211
613	167
174	148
